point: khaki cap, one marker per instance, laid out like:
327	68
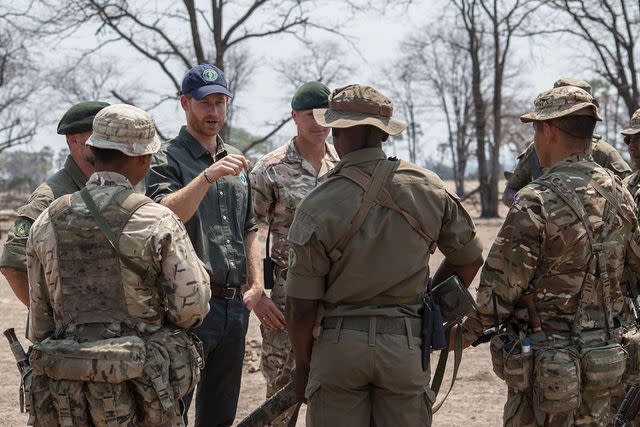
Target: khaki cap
124	128
634	124
561	102
356	105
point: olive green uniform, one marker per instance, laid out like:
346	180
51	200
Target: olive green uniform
366	364
67	180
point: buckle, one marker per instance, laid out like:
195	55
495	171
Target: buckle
234	291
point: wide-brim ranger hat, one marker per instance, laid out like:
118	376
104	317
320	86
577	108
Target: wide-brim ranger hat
357	105
125	128
561	102
634	124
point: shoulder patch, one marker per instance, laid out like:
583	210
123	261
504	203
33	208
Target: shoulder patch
301	231
22	227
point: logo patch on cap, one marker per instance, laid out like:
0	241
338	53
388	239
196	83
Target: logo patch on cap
209	75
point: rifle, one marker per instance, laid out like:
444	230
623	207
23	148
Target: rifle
23	366
629	408
277	404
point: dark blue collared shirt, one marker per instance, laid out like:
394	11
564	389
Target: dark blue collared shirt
224	216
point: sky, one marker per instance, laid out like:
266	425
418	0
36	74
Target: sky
377	37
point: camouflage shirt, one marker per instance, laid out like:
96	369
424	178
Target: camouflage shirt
280	180
633	185
157	238
528	167
67	180
543	246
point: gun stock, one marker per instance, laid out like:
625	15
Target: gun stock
23	366
629	408
277	404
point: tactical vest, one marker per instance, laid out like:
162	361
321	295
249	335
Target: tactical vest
93	303
594	298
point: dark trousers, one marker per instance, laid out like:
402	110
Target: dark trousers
223	334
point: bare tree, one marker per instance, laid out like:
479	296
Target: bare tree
610	28
445	68
490	27
18	123
175	36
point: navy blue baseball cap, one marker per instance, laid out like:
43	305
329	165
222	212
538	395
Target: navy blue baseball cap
203	80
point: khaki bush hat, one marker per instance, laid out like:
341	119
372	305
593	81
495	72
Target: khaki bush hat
124	128
356	105
570	81
634	124
561	102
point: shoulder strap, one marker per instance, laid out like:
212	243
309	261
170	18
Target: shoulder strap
375	192
597	261
130	204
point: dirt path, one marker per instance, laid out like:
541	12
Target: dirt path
476	399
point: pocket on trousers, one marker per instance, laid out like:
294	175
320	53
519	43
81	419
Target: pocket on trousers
557	380
603	367
496	348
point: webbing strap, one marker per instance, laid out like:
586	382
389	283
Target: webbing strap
596	261
375	192
371	185
438	375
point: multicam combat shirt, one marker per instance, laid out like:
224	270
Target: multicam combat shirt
280	180
543	247
154	236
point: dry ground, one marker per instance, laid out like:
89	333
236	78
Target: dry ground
476	399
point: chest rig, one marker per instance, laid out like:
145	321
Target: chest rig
93	304
596	284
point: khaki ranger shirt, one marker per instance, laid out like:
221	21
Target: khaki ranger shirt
279	181
154	236
67	180
386	259
528	167
543	247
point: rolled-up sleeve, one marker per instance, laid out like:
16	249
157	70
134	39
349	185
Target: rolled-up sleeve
308	260
458	240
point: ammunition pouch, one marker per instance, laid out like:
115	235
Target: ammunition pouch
557	380
631	344
602	367
111	360
510	363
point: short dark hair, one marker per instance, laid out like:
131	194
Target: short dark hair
578	127
108	156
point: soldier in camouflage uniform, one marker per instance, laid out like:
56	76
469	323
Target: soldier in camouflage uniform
75	124
98	288
279	181
553	276
632	139
528	166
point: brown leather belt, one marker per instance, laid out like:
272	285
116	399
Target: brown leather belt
224	293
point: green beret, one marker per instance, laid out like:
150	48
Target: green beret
310	95
79	118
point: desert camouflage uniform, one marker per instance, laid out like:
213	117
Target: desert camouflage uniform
279	181
154	237
528	167
633	185
531	253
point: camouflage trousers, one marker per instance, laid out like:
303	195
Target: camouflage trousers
276	361
67	403
594	410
